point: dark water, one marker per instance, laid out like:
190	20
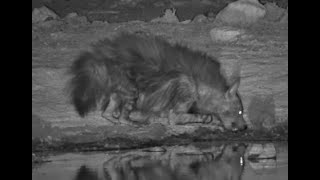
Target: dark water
201	161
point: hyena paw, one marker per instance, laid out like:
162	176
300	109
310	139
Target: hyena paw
206	119
121	120
116	114
139	118
110	118
128	122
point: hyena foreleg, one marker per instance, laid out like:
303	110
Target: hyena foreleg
112	106
185	96
120	105
174	99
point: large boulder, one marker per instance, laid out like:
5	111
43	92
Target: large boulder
242	12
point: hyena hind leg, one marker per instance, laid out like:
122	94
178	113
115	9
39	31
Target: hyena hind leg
111	111
128	96
118	109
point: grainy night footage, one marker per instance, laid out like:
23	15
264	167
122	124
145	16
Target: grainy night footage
166	90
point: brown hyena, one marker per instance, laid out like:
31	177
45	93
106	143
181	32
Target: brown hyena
150	75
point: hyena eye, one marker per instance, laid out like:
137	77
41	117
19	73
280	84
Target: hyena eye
241	161
240	112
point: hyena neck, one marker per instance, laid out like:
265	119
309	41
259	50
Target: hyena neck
208	99
212	90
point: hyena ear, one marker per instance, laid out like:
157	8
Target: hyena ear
232	91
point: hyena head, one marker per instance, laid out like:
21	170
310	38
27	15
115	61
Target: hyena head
232	157
228	165
225	105
230	109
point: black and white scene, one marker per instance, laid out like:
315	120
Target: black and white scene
159	89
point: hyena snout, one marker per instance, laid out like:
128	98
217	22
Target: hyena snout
238	126
234	124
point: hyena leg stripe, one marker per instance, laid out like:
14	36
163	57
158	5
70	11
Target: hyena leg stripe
113	105
184	118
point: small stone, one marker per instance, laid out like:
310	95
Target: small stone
186	21
42	14
259	151
200	19
71	15
225	34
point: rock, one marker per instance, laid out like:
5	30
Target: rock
186	21
241	13
200	19
225	33
42	14
255	149
261	157
261	112
269	151
273	12
168	17
75	20
71	15
259	151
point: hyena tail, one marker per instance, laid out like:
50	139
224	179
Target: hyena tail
90	83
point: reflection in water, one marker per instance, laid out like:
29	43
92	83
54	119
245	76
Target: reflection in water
198	161
227	165
86	173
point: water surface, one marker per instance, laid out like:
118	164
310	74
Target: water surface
200	161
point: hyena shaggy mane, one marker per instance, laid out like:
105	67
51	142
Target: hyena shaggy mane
148	74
